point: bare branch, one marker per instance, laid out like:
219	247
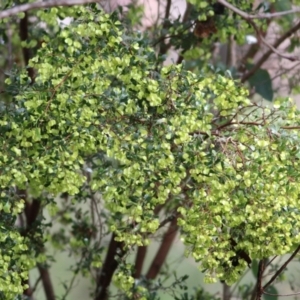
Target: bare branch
281	269
36	284
259	15
282	295
46	281
249	19
273	49
139	261
268	53
23	32
46	4
116	250
142	250
168	9
226	292
163	250
260	272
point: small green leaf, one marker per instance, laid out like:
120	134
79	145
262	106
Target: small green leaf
284	5
273	291
254	267
262	83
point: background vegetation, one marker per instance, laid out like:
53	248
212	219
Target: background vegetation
123	129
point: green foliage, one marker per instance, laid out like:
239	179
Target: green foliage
15	256
228	168
134	14
262	83
273	294
281	5
200	294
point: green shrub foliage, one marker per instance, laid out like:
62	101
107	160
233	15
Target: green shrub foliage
227	168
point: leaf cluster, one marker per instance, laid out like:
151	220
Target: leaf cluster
227	168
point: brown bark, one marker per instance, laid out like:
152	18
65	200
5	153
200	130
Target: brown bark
163	250
110	265
142	251
139	261
23	31
31	211
226	292
47	283
270	52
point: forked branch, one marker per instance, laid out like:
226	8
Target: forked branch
45	4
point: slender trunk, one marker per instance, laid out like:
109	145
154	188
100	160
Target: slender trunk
109	267
23	32
226	292
139	261
163	250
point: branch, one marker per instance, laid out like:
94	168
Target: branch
31	212
142	251
46	281
168	9
115	250
163	46
184	20
281	269
273	49
37	5
163	250
249	19
36	284
268	53
76	272
282	295
260	271
226	292
23	31
259	15
139	261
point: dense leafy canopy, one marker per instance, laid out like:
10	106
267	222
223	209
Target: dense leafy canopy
227	168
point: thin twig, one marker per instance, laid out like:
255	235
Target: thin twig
238	282
280	270
269	263
163	46
115	251
23	32
166	221
47	283
258	15
249	19
163	251
45	4
282	295
168	9
36	284
68	289
268	53
254	48
286	56
260	272
226	292
184	20
142	250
